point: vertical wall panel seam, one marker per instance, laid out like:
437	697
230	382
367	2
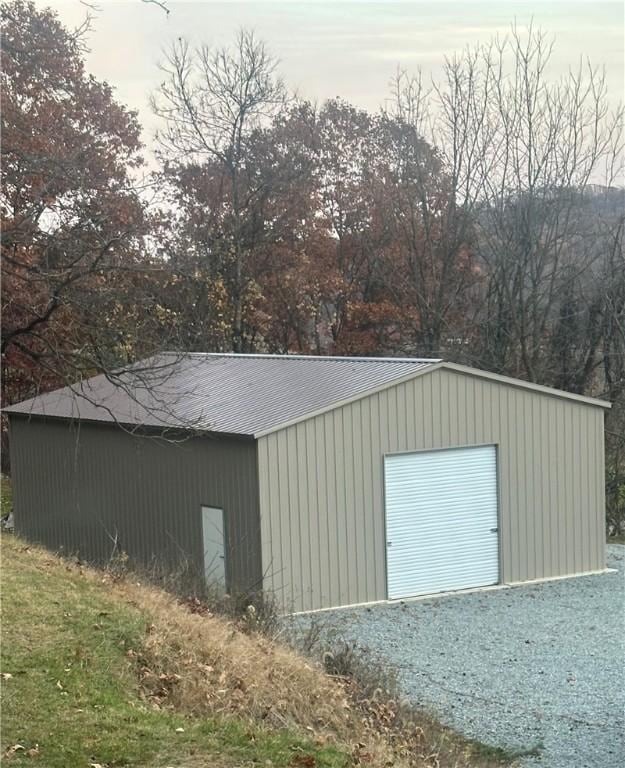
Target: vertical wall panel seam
309	516
347	554
316	581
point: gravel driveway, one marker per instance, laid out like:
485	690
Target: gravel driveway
537	665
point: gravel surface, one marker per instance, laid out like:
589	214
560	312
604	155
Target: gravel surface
536	665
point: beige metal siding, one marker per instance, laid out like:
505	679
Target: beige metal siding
77	487
321	484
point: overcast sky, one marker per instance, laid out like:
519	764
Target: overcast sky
347	49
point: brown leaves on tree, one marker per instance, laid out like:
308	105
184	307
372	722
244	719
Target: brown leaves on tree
451	224
71	217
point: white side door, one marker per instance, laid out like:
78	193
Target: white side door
441	520
214	548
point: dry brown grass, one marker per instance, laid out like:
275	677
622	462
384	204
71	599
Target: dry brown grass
204	665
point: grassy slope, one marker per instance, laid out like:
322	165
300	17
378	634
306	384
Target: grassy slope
73	697
111	672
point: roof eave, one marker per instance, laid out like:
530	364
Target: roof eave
129	427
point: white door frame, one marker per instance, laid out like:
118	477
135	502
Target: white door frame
391	454
214	546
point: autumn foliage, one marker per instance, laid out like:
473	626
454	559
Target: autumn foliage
462	221
70	215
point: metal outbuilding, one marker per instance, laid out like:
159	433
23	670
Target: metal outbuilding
325	481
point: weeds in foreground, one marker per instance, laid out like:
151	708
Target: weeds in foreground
373	709
172	665
83	681
118	673
374	690
252	611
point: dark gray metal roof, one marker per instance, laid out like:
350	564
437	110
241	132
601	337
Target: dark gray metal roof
237	394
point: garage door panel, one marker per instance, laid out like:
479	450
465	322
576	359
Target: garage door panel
455	518
450	501
455	513
441	521
465	548
442	492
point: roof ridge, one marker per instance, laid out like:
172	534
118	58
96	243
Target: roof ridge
340	358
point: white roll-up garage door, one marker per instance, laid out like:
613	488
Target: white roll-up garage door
441	521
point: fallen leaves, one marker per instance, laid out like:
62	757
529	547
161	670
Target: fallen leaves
14	750
303	761
21	749
194	605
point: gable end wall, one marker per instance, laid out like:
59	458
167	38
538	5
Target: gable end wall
321	484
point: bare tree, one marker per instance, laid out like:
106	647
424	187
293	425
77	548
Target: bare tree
433	205
522	154
211	102
450	116
541	147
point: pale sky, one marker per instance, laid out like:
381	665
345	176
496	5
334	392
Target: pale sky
346	49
